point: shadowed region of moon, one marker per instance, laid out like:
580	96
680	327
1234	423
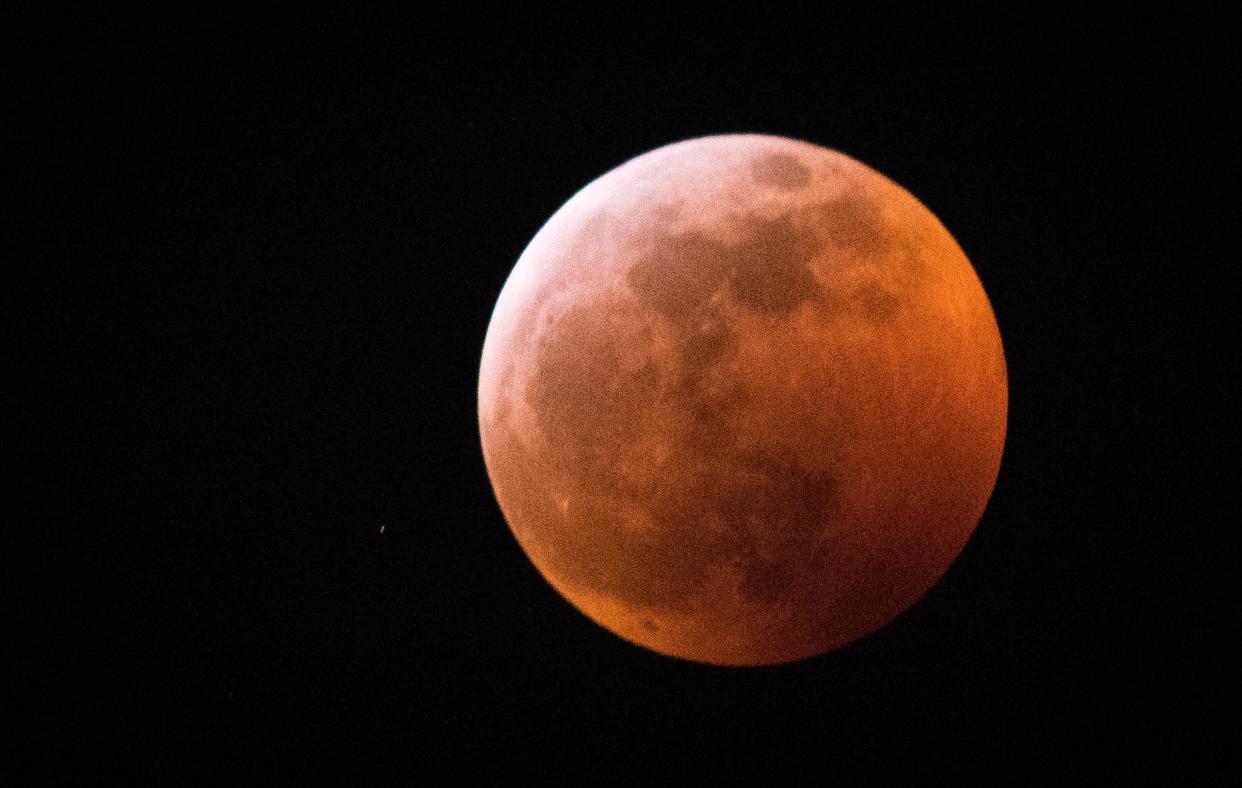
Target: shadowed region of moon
742	400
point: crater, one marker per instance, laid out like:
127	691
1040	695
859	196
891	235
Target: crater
782	170
878	305
768	271
680	276
853	222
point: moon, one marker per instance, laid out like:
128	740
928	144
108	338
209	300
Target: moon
742	400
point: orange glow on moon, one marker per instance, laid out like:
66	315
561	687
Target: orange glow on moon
742	400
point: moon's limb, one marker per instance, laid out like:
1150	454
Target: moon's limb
742	400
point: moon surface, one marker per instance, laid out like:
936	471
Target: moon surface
742	400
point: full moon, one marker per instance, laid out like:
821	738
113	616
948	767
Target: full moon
742	400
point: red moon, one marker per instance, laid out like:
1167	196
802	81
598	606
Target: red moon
742	400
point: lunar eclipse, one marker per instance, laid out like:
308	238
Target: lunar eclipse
742	400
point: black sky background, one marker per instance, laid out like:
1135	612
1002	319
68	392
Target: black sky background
267	252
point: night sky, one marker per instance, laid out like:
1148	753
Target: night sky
265	256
